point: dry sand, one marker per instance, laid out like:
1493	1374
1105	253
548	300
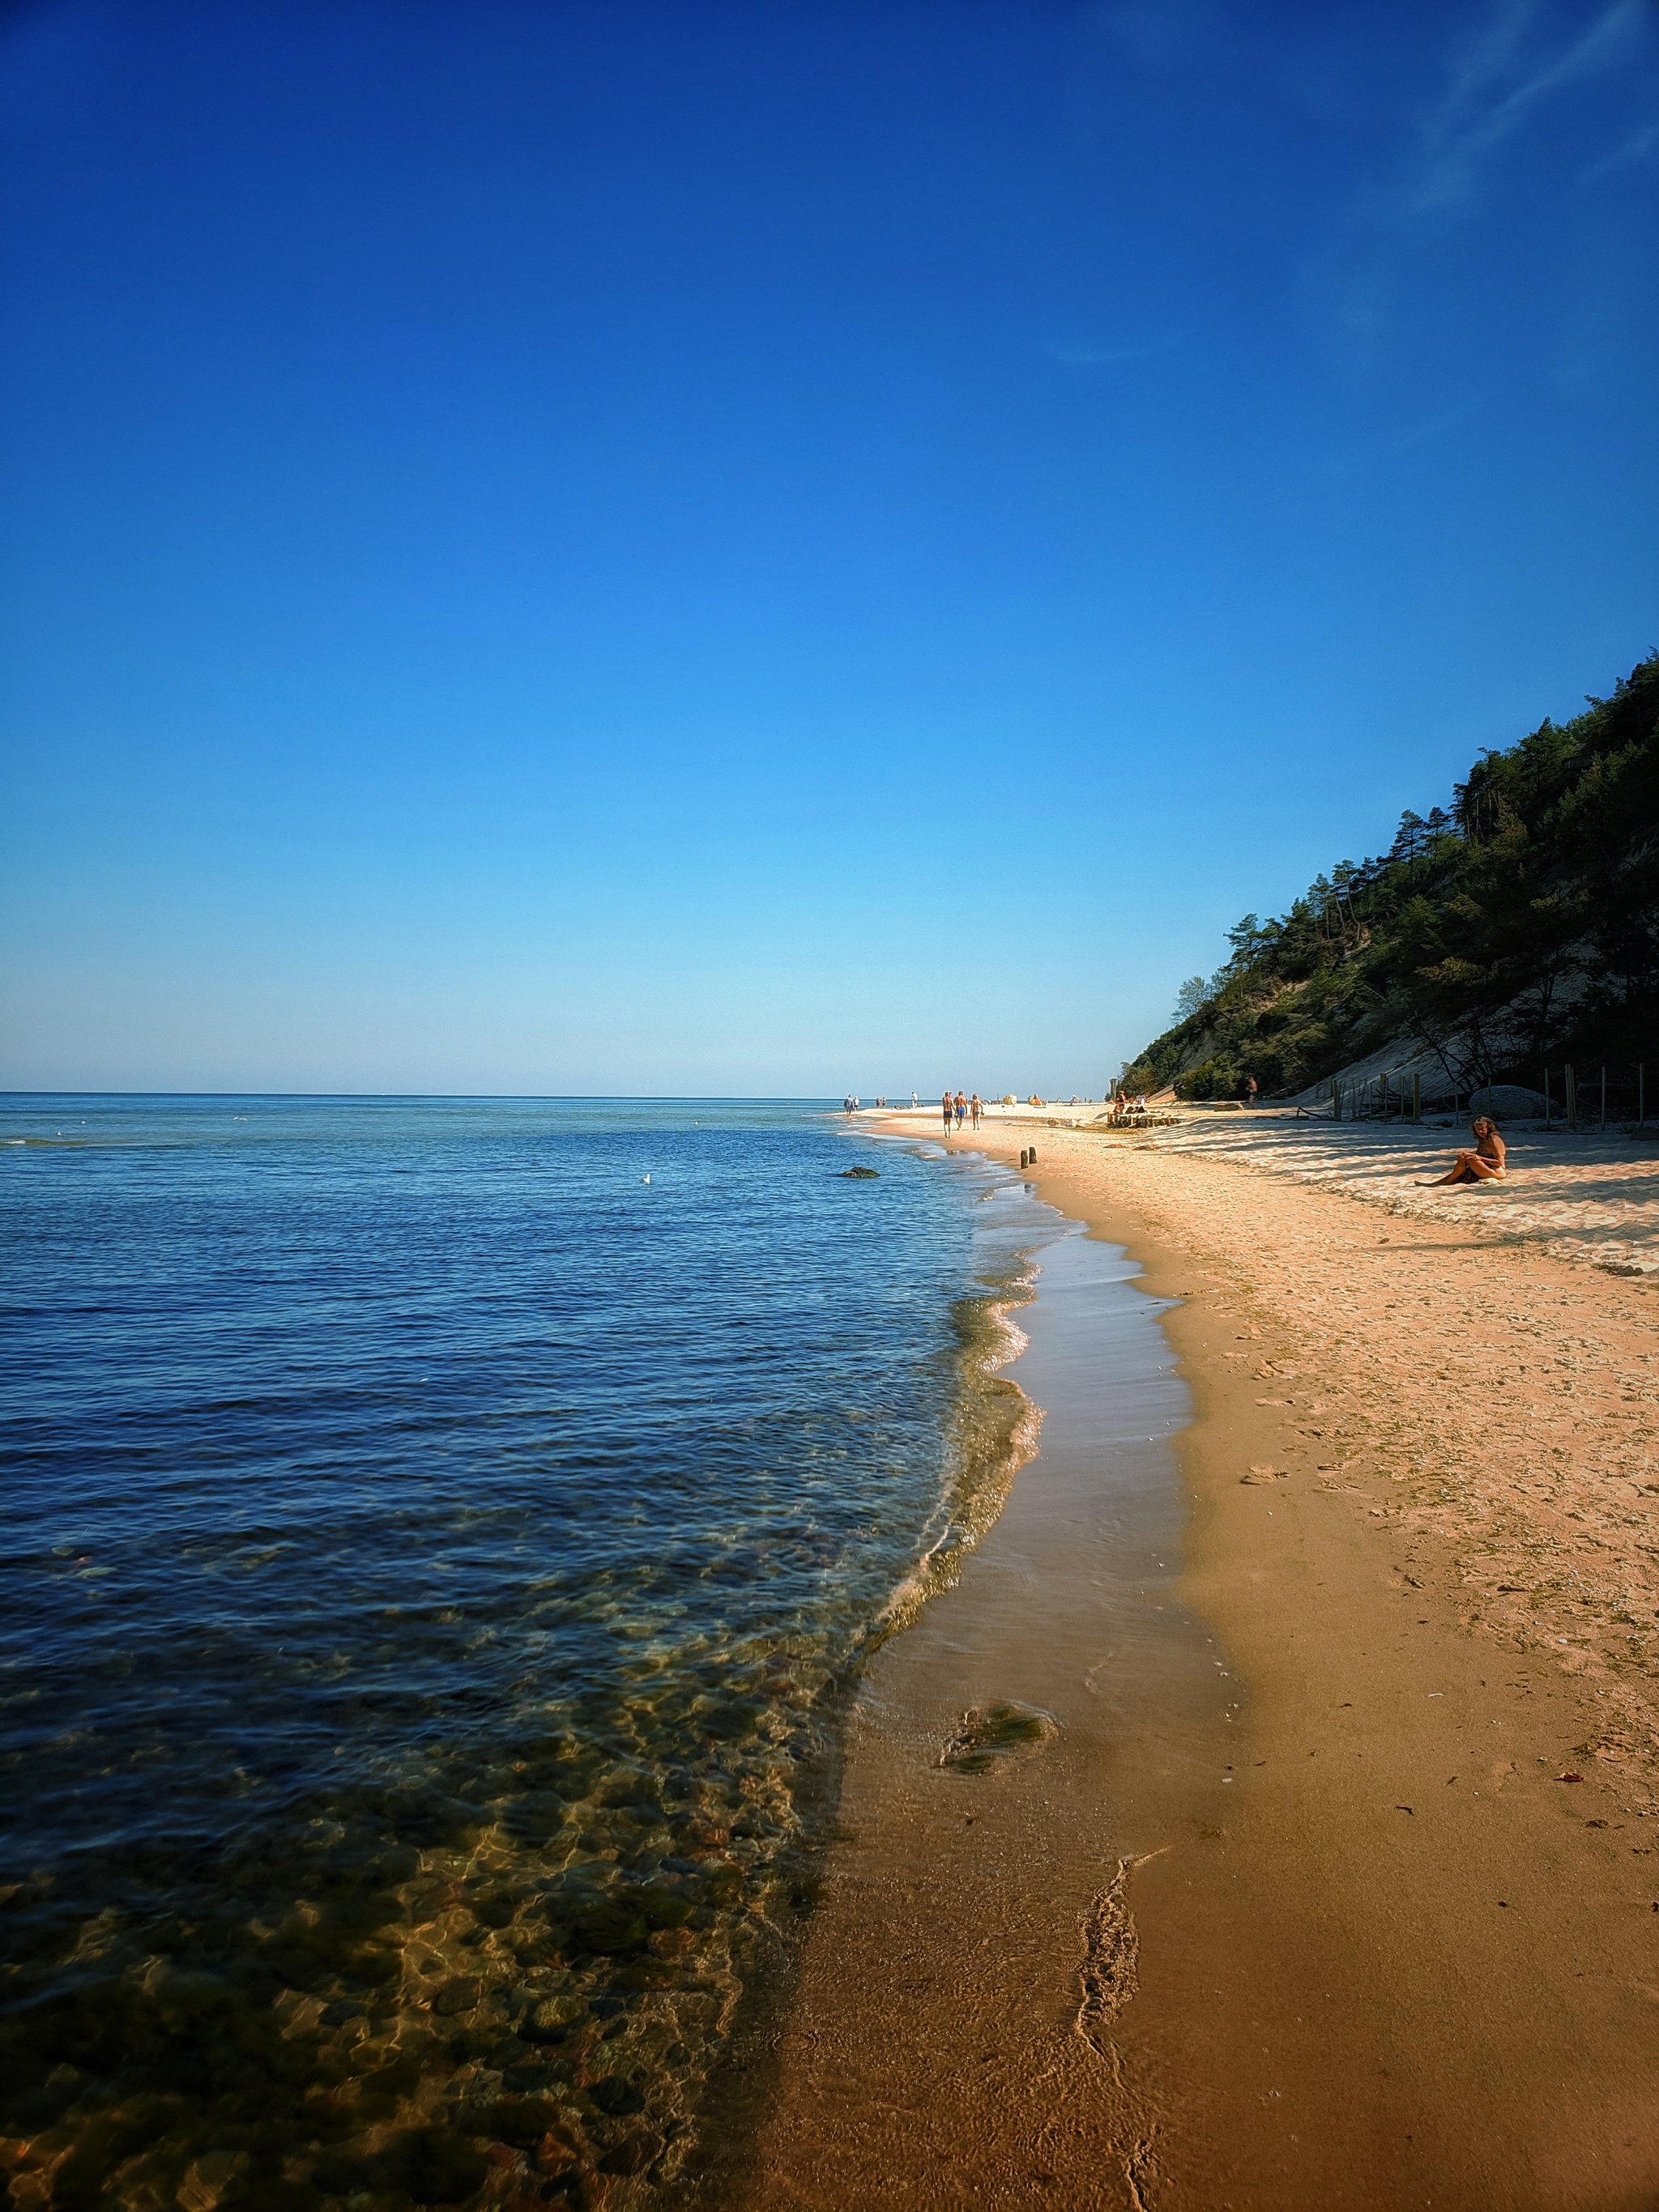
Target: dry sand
1591	1198
1307	1916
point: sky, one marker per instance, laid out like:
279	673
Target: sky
777	546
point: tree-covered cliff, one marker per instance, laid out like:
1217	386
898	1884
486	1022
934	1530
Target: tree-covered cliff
1519	929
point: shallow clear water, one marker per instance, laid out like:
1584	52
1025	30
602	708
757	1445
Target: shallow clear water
438	1559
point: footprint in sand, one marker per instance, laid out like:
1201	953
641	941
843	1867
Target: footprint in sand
987	1734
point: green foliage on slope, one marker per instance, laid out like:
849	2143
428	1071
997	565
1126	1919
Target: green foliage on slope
1521	927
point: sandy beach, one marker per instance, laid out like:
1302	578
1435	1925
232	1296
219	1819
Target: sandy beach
1329	1874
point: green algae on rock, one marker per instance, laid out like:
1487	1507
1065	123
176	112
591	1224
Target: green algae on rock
985	1734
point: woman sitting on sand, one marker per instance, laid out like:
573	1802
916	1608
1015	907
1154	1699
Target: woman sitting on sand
1482	1163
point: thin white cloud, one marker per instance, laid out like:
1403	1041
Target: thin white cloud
1631	156
1085	356
1403	441
1161	30
1497	83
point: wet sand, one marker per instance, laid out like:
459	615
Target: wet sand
1290	1909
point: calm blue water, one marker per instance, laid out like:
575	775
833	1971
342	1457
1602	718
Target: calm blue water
438	1556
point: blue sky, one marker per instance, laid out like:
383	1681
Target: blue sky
776	547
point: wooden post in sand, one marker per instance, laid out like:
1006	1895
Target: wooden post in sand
1382	1098
1604	1098
1641	1096
1417	1098
1571	1083
1546	1098
1336	1101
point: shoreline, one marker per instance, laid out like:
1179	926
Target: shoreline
969	1851
1384	1956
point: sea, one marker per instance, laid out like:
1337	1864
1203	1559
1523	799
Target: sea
441	1539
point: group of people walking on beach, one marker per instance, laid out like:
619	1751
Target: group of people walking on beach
1482	1161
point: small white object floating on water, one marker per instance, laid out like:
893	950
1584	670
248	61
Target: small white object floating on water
645	1178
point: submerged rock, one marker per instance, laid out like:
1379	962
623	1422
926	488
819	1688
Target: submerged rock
662	1906
520	2121
425	2164
633	2156
860	1174
610	1927
985	1734
617	2096
552	2019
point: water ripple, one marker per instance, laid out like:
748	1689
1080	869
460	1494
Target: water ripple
439	1560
